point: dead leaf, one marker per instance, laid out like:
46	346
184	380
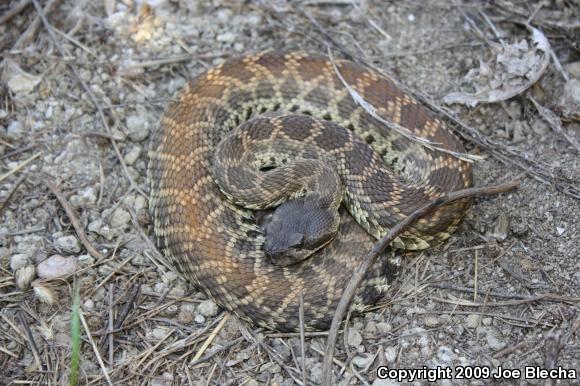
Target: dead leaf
516	67
18	80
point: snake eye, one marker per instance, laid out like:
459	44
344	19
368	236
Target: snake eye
296	240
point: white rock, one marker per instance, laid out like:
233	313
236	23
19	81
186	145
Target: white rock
472	321
199	319
354	338
363	360
119	218
166	379
15	130
68	244
158	333
391	353
385	382
88	304
140	203
208	308
572	91
494	339
384	327
132	155
18	261
226	37
90	195
316	373
445	354
57	266
138	126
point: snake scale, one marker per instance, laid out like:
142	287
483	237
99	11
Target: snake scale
219	245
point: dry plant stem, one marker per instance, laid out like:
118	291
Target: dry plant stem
28	35
11	191
127	307
211	337
302	345
95	349
19	167
30	338
552	352
111	337
14	11
379	247
91	95
79	229
216	351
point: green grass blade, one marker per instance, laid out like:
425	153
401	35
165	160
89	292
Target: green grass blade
75	339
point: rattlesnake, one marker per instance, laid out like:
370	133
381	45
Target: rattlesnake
220	246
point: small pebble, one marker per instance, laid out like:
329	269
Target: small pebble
226	37
138	126
166	379
501	228
57	266
207	308
68	244
494	339
171	310
15	130
119	218
391	353
363	360
472	321
385	382
445	354
574	69
199	319
572	91
88	304
354	338
384	327
158	333
431	321
18	261
132	155
316	373
185	318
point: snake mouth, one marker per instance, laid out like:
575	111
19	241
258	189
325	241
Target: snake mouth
285	256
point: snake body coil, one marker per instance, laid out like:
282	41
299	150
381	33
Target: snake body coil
219	245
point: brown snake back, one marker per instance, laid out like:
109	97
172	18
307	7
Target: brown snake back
219	246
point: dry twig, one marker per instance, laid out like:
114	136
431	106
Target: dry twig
33	27
79	229
379	247
14	11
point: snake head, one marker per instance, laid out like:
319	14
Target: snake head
298	228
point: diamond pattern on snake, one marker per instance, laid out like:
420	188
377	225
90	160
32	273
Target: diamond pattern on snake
279	133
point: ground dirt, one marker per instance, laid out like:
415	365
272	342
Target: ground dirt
503	291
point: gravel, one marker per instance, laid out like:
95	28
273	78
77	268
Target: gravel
208	308
18	261
68	244
131	54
